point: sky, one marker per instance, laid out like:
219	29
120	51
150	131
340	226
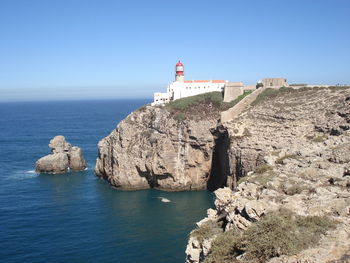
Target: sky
98	49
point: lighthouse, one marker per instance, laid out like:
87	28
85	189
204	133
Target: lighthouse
181	88
179	72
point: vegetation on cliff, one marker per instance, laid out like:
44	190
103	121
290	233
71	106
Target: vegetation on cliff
277	233
271	93
295	157
201	105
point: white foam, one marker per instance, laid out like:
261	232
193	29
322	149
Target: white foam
21	175
164	200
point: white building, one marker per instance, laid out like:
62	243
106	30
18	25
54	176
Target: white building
181	88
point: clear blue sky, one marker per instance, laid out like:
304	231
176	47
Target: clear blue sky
81	49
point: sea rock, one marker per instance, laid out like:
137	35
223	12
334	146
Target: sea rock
153	149
63	158
59	145
56	163
76	159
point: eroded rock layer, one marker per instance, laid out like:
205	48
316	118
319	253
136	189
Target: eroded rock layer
285	122
152	148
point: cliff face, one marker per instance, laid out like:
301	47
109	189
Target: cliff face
282	123
155	148
290	151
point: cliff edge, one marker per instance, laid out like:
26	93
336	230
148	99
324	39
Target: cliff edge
168	148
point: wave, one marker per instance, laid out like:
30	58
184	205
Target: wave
163	199
21	175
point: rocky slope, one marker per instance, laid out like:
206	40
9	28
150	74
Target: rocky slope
155	147
289	151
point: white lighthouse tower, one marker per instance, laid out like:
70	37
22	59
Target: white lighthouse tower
179	72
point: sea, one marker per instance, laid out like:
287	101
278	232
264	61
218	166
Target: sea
77	217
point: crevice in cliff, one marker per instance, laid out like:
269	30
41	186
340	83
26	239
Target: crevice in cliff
220	168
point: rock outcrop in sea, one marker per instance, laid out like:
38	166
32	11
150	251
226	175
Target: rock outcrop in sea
64	157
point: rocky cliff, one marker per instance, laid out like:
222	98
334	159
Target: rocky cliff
287	168
160	147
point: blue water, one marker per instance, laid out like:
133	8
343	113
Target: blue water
77	217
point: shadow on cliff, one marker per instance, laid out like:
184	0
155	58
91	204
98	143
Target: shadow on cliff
220	168
152	179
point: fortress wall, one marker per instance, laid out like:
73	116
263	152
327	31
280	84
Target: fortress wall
233	112
232	91
249	87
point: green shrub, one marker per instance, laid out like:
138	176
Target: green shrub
180	116
185	103
278	233
207	230
223	248
216	98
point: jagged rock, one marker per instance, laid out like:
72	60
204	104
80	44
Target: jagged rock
193	251
341	154
59	145
76	159
223	197
151	149
63	158
286	124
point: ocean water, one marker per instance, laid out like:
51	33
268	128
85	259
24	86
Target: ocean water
77	217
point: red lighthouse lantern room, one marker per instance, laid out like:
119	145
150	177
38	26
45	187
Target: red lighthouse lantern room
179	68
179	72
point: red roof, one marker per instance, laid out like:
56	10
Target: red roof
179	63
202	81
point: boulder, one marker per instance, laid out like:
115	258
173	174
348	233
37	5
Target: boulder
63	158
76	159
53	163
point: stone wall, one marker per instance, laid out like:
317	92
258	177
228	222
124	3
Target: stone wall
233	90
233	112
275	82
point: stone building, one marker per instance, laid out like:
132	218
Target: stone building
274	82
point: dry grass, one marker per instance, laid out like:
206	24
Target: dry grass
261	179
317	139
263	169
276	234
288	156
